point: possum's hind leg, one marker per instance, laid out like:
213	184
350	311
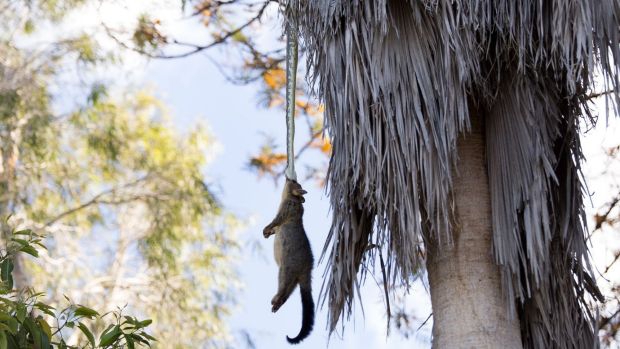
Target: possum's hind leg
286	285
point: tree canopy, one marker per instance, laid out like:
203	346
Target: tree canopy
119	195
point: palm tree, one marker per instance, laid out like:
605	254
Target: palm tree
455	143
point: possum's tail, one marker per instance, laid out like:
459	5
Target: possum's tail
307	305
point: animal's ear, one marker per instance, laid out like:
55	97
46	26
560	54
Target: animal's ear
299	192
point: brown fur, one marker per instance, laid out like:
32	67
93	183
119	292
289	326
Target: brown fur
292	254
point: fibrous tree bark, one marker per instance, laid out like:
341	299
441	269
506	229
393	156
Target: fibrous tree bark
470	309
398	79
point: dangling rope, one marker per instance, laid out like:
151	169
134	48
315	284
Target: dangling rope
291	79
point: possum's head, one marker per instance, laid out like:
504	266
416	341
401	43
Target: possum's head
293	190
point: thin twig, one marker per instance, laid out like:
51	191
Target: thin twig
307	145
425	321
616	257
600	219
605	320
599	94
196	48
209	5
97	199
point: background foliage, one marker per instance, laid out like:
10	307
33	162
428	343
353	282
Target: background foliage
121	196
27	322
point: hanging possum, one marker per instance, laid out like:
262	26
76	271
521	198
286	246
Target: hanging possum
293	255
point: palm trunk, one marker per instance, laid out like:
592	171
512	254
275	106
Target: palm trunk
469	307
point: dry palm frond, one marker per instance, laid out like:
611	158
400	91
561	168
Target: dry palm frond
397	78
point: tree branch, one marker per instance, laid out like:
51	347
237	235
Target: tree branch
616	257
600	219
605	320
307	145
209	5
97	199
196	48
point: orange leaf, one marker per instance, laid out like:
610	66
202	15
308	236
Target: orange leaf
326	148
322	144
275	78
276	101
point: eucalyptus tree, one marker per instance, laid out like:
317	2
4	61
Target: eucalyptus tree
455	138
121	195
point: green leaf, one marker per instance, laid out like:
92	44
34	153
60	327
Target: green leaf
40	245
137	338
87	333
35	333
129	340
85	49
42	305
29	27
45	327
21	312
239	37
12	342
130	320
48	312
3	342
144	323
38	334
23	232
107	329
30	250
6	273
9	321
20	241
85	312
97	93
149	337
13	326
45	341
8	302
108	338
47	309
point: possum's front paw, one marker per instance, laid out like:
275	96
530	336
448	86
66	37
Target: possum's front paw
268	231
276	303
